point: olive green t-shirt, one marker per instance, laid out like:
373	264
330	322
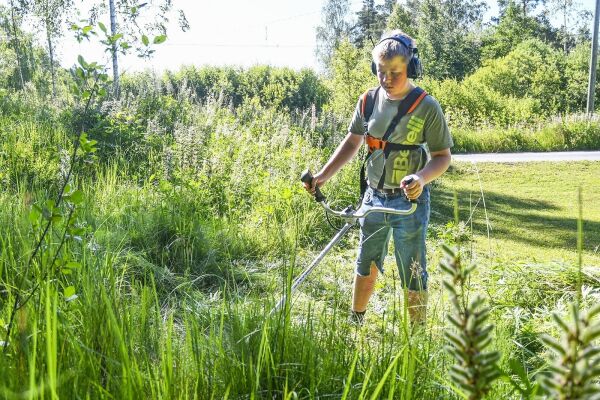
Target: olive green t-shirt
425	126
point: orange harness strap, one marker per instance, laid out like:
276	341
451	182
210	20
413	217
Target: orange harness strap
364	102
416	103
374	143
378	144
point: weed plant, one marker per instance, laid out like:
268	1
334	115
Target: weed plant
475	367
576	368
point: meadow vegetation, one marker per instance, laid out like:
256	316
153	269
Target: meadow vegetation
191	224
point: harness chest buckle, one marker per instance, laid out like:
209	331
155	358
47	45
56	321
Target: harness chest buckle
374	143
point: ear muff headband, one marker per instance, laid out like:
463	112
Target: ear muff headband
414	68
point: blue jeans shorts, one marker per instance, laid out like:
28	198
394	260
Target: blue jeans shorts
409	233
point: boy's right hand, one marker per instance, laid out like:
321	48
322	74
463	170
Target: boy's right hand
317	181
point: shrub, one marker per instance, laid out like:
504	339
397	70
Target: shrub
351	69
577	66
533	69
473	104
32	153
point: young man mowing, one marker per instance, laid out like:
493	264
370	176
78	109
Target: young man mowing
409	146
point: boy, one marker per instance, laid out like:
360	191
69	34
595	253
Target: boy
405	155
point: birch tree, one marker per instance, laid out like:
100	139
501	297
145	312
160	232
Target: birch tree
52	14
574	20
335	27
126	28
14	40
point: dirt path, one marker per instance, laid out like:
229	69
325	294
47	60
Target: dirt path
529	157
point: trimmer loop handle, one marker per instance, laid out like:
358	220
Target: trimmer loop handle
349	213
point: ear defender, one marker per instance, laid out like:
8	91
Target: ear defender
414	68
373	68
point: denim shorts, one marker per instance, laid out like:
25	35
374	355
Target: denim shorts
409	233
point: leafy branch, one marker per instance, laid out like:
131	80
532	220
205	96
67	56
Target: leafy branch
87	86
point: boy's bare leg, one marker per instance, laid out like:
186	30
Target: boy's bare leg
363	288
417	307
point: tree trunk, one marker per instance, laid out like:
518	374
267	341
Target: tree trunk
113	31
17	47
51	55
565	27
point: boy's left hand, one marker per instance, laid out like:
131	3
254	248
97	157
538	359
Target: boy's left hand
413	189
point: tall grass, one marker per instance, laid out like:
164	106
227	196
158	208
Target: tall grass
563	134
170	294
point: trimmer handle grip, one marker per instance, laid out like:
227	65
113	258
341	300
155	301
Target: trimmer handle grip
307	178
408	182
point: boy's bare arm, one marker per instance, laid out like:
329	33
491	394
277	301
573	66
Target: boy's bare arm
439	163
345	151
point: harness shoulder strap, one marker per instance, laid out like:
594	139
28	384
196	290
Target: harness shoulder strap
368	104
407	105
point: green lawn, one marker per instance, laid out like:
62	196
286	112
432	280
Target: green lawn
529	217
531	209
